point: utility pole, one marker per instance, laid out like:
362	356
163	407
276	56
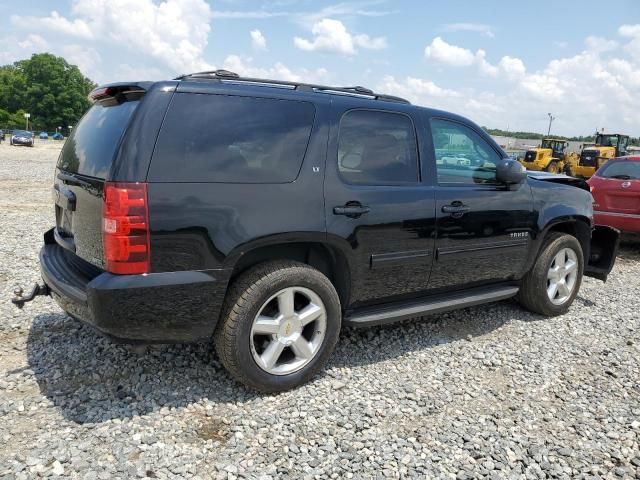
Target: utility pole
551	119
27	115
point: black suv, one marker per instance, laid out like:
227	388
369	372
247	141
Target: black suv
266	215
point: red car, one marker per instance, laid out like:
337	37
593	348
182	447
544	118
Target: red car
616	194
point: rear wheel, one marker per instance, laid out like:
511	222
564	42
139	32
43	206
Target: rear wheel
280	324
553	167
550	287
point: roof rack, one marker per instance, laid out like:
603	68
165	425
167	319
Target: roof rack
231	77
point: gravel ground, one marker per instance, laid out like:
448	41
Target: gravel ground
489	392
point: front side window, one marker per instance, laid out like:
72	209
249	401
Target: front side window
462	156
377	148
232	139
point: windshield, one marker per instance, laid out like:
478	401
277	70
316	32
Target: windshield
22	133
623	169
553	144
607	140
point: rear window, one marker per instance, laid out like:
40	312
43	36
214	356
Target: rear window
622	169
90	148
231	139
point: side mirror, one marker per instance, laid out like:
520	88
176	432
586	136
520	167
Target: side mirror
510	172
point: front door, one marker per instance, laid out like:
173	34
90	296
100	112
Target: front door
377	209
483	227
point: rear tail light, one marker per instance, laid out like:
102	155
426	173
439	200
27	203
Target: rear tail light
125	228
100	93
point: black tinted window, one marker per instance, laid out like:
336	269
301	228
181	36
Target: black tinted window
462	156
377	148
220	138
90	148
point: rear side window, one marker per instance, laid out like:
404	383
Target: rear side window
377	148
90	148
222	138
622	169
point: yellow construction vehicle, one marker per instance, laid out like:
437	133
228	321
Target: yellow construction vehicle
607	146
551	156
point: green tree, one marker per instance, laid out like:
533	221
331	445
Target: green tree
50	89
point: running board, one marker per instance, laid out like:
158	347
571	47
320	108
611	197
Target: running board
396	312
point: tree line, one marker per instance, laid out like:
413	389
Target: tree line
47	87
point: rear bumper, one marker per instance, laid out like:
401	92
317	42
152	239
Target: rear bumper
168	307
622	221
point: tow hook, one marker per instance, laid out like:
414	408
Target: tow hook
19	300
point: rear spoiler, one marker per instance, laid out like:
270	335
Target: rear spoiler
116	93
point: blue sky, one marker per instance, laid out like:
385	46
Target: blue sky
503	64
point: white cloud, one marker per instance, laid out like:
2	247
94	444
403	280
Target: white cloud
440	51
485	67
257	40
365	41
632	32
174	32
331	36
600	44
480	28
22	47
513	67
596	88
443	52
55	23
87	59
126	72
34	43
345	9
417	90
244	67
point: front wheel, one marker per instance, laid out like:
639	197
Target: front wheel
567	170
280	323
553	167
551	286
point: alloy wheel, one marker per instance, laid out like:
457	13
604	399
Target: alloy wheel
288	330
562	276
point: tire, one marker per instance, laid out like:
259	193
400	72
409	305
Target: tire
552	167
241	350
533	294
567	170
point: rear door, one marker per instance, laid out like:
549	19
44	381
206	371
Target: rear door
84	164
618	187
377	206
